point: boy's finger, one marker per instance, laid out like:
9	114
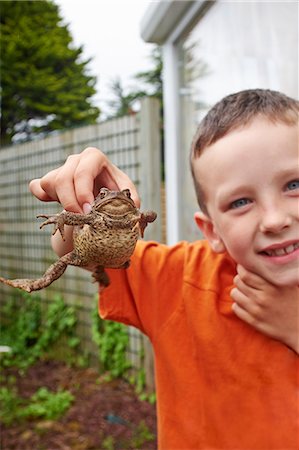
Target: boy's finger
48	184
64	184
36	189
251	279
94	171
244	315
89	176
239	298
235	294
84	186
123	182
67	197
246	289
246	303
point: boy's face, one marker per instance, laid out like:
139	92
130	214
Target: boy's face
250	179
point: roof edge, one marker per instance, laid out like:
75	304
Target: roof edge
161	18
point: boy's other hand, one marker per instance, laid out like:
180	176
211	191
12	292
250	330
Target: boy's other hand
79	179
270	309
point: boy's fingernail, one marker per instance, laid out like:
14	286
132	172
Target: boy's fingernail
86	208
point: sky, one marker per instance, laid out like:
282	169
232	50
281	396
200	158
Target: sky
109	31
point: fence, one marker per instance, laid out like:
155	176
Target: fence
133	144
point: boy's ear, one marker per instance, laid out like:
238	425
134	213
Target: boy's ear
206	225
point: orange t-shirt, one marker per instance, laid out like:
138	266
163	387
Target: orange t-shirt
220	383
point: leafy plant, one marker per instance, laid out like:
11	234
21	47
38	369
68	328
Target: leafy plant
31	330
141	435
9	405
108	443
43	404
47	405
112	340
149	83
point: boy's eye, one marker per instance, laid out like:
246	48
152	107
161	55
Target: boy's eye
292	185
240	203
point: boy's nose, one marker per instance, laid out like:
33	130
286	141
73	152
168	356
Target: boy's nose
274	220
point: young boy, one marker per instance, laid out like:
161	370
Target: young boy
221	383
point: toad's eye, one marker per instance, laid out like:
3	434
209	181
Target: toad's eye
241	202
127	193
293	185
103	192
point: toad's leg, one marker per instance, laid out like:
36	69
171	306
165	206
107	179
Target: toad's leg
100	275
145	218
66	218
52	273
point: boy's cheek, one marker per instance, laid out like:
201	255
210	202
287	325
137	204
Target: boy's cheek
238	253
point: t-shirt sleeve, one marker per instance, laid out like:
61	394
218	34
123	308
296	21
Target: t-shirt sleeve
147	293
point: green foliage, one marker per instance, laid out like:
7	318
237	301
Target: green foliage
122	103
142	435
152	79
149	84
138	380
108	443
9	405
31	329
112	340
48	405
43	404
45	83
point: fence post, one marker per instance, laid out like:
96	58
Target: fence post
150	192
150	169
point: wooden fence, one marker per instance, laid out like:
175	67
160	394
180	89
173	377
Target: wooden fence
133	144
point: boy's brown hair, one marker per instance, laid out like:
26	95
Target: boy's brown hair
236	111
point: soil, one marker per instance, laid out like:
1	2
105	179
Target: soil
91	423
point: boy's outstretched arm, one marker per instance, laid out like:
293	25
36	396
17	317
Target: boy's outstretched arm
270	309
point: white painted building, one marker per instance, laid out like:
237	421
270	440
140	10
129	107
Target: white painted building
211	49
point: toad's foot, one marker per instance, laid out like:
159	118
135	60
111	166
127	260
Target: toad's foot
66	218
145	218
24	284
56	219
52	273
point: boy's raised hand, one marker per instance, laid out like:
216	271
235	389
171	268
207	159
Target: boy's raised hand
79	179
270	309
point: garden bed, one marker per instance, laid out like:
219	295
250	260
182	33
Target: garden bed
103	414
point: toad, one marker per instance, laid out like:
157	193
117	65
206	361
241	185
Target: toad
104	238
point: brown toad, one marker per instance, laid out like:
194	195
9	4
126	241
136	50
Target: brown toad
106	237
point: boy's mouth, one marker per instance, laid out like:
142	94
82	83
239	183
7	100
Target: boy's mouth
279	250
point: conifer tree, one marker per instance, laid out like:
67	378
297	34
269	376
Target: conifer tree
45	82
149	84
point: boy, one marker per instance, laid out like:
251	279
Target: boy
221	384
